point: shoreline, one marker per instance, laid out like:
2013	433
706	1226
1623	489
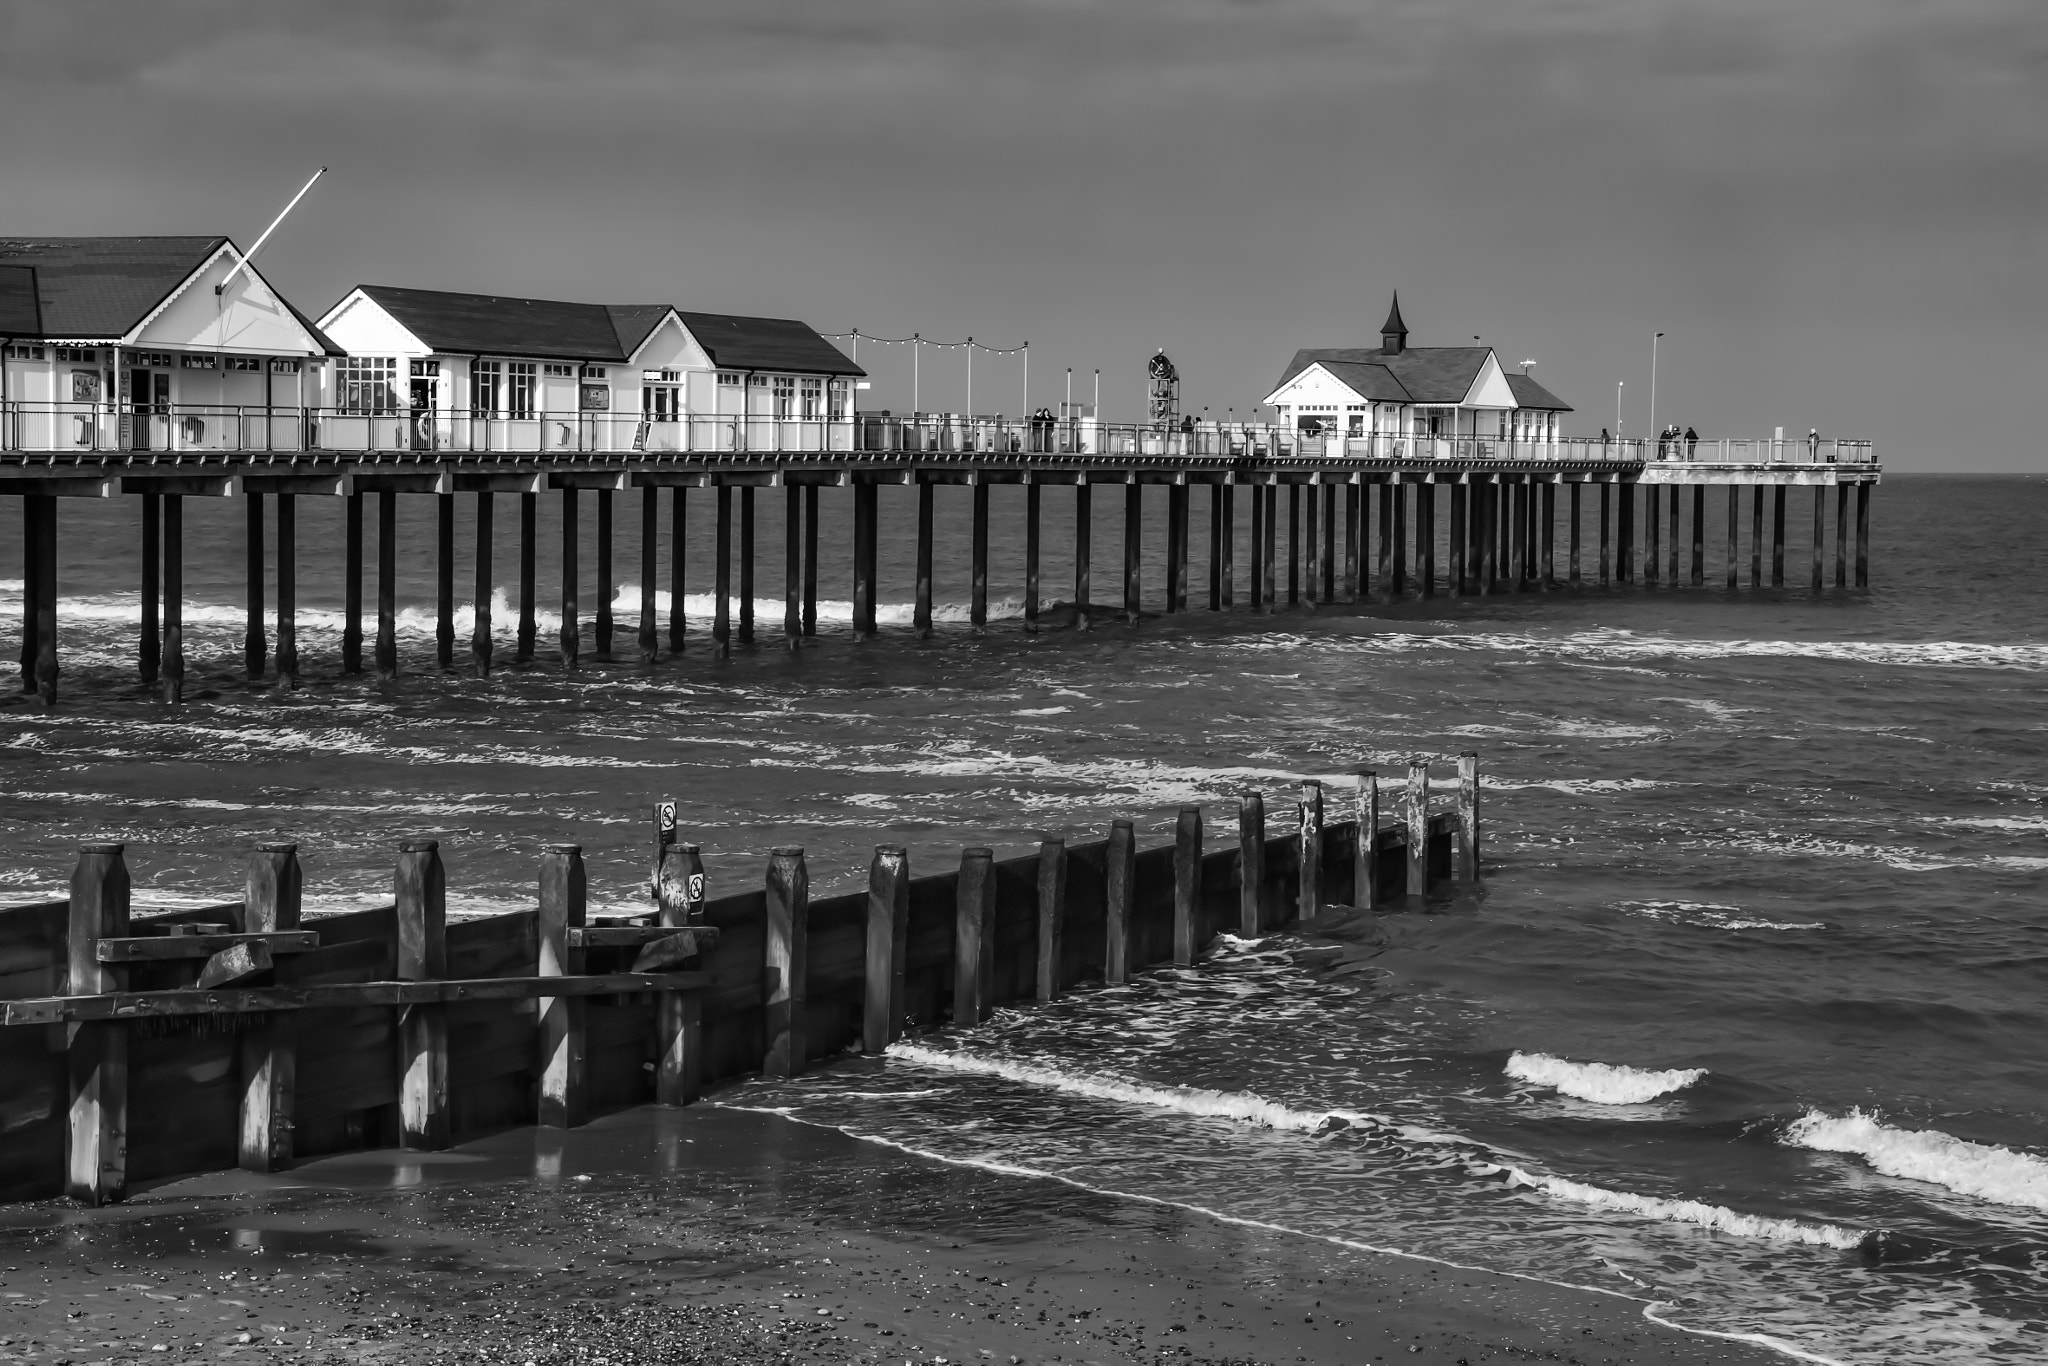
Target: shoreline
720	1234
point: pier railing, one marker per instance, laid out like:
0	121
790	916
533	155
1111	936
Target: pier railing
160	433
243	1033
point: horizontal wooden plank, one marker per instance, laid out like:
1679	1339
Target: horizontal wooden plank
160	946
633	936
121	1005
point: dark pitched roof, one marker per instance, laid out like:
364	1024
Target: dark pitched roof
1530	394
1425	374
20	314
496	325
1393	322
1374	382
104	286
739	343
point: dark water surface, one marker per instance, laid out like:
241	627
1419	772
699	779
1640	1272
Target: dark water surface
1750	1014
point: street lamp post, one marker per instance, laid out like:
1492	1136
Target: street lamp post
1655	429
1617	408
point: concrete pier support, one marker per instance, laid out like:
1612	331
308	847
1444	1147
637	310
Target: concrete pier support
1606	556
444	580
571	633
1294	545
1034	519
1653	525
1576	513
1863	535
746	632
792	567
1778	536
1425	536
1699	536
1084	544
387	585
171	668
1734	549
1460	539
866	535
1353	554
1177	527
288	590
150	642
1841	535
351	584
603	623
678	545
1820	523
1216	535
1226	541
1672	517
255	647
921	611
649	640
721	576
1397	585
810	561
480	589
1756	537
977	607
1625	535
1134	524
529	581
1269	549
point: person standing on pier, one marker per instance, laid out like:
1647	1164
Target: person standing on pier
1692	444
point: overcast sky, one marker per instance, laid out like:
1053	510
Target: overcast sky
1835	209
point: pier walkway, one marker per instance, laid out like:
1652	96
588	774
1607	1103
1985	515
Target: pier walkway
1375	523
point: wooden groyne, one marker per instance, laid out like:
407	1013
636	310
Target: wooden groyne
138	1047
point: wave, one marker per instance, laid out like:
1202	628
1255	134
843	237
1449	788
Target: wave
1708	915
1717	1218
1999	1175
1603	1083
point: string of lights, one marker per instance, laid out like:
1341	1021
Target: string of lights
914	339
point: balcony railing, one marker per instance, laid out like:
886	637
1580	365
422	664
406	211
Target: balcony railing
70	433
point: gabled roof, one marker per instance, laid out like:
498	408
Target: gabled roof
92	287
1375	383
20	313
498	325
1425	374
1530	394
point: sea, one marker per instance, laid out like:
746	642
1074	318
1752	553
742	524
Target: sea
1748	1019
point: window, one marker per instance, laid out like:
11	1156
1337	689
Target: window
486	388
78	353
662	376
661	402
426	369
198	362
839	392
728	379
252	365
785	396
757	381
284	367
814	392
593	372
559	371
25	352
156	360
520	396
367	384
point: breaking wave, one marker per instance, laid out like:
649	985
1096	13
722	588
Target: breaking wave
1603	1083
1985	1171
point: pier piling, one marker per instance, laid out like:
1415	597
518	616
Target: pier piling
571	633
973	937
887	943
420	897
564	1101
1418	827
1309	839
1187	886
529	580
921	612
977	604
1134	512
602	622
1052	914
255	649
721	576
96	1060
1778	536
746	604
387	585
480	650
1734	577
287	590
351	580
786	969
678	545
1083	549
148	643
810	563
792	569
1033	520
171	669
1365	842
1120	873
268	1047
1251	864
649	641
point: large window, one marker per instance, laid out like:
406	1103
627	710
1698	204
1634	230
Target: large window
839	393
785	396
486	388
367	384
520	395
814	399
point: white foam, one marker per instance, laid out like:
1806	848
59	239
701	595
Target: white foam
1603	1083
1985	1171
1709	916
1714	1217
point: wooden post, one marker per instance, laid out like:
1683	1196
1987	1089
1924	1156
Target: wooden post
977	610
563	1101
1418	827
1134	506
650	571
1459	516
721	575
529	581
1294	545
571	633
1120	889
351	579
1756	537
255	649
678	547
1468	818
746	633
269	1053
387	585
1365	843
679	1015
1226	555
46	600
1577	579
1308	892
792	565
150	643
1352	526
1606	557
1820	524
171	670
444	581
784	986
479	592
1187	886
1251	864
287	590
96	1051
1863	535
422	903
973	937
1032	515
1699	536
1084	517
921	613
602	635
1778	536
1052	913
1841	535
888	937
1734	526
810	560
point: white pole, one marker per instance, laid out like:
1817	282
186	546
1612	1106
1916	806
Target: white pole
916	356
970	379
1655	430
1025	400
1617	407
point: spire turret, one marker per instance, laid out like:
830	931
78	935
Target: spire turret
1394	332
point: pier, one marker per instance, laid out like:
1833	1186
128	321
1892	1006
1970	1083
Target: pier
1333	520
140	1045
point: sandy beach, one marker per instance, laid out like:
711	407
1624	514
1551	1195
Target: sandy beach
721	1235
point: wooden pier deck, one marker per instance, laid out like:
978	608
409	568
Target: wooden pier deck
1364	519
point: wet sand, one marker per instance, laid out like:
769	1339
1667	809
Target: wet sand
716	1235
